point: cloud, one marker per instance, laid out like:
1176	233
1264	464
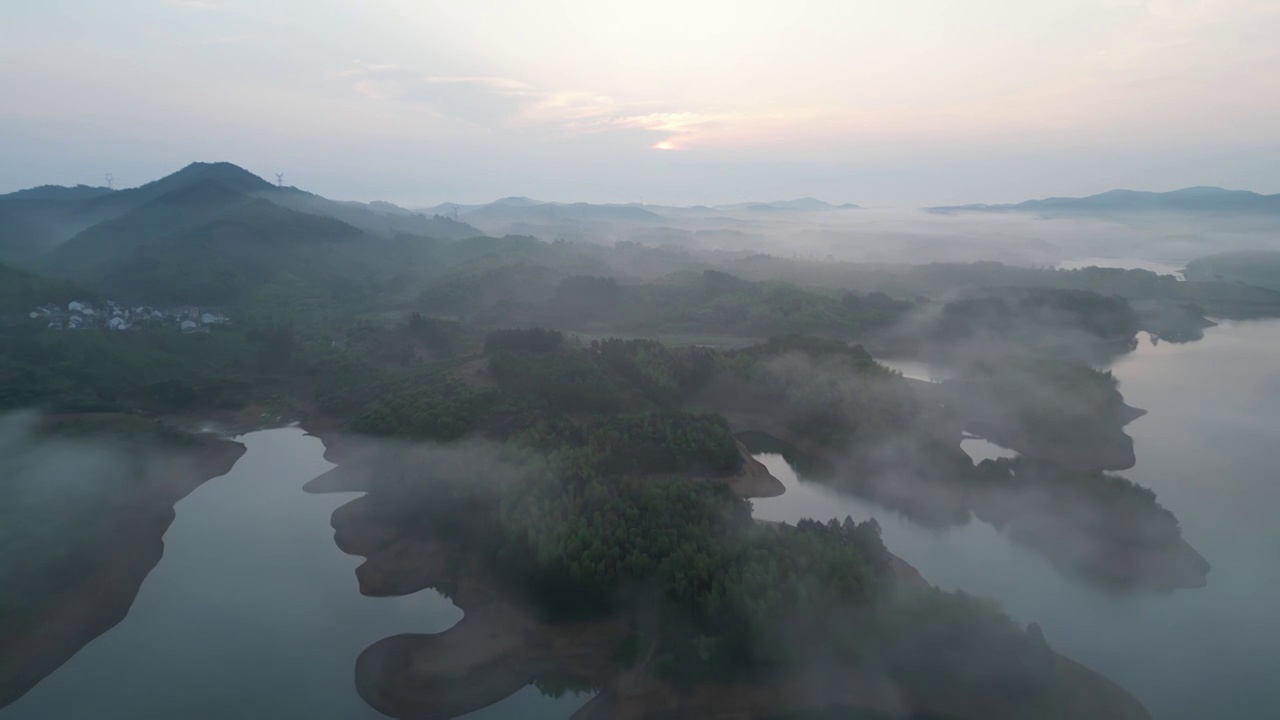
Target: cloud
499	103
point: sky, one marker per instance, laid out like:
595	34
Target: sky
881	103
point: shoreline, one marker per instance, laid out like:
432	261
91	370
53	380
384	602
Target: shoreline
80	612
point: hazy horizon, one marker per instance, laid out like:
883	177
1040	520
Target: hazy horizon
713	102
117	185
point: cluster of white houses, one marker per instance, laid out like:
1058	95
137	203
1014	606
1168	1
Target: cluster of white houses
79	315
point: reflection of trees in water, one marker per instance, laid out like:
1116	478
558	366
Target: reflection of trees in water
1095	526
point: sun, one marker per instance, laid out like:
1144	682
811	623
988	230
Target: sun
665	145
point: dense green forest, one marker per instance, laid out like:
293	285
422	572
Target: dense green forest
20	291
1021	315
709	303
737	601
103	371
1045	407
714	301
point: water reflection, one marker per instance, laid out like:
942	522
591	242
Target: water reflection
1207	449
489	660
1093	526
251	613
531	704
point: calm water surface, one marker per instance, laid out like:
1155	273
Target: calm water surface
1208	449
253	613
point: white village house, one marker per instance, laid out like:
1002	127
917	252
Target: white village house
80	314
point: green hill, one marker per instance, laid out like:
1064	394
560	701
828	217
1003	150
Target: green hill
34	222
152	222
211	245
64	229
376	218
20	291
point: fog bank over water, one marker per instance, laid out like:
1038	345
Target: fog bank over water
1161	242
1207	449
252	612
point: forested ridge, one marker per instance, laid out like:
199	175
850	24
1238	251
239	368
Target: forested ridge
736	601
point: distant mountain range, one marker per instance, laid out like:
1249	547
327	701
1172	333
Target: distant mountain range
523	214
551	212
214	233
210	232
608	222
805	204
1187	200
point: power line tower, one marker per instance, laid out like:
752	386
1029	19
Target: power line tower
110	179
279	179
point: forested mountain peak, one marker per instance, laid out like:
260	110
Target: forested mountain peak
205	190
518	201
58	229
226	173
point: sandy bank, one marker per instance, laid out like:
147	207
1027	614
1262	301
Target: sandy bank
754	481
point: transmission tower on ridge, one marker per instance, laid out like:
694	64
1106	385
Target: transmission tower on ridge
280	179
110	179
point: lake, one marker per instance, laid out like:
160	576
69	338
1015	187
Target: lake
1207	448
253	612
